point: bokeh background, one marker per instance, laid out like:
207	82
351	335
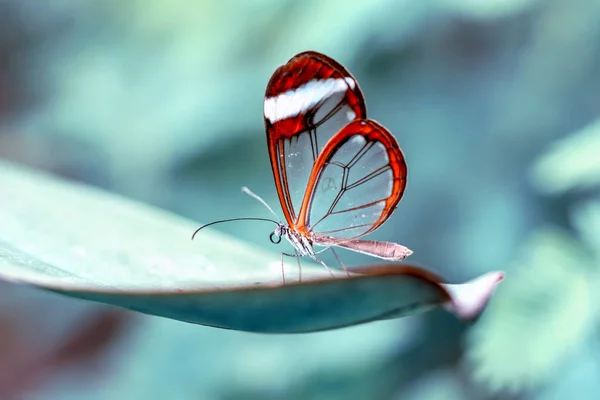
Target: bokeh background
495	103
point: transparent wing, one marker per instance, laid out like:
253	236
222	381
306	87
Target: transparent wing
356	184
307	101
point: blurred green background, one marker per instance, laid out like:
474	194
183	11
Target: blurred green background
495	103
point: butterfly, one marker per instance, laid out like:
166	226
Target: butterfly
338	174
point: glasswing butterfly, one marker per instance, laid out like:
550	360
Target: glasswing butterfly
338	175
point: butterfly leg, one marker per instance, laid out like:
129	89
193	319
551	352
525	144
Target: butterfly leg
320	251
322	263
297	256
314	257
282	269
340	261
299	267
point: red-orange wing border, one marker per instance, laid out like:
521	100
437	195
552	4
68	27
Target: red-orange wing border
299	70
372	131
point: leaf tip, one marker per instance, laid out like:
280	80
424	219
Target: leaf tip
469	299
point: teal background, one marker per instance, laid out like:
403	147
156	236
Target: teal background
495	105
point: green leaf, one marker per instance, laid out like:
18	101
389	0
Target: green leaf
82	242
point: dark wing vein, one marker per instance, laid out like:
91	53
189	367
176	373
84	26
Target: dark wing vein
367	178
372	203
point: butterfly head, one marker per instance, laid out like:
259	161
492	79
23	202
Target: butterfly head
280	230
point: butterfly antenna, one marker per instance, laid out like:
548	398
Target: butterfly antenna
257	197
233	219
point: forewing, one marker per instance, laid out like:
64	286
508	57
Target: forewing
356	183
307	101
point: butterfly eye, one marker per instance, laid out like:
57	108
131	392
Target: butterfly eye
275	238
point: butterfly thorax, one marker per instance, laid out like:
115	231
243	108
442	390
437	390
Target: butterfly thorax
302	244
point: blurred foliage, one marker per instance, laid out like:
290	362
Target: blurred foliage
494	103
547	309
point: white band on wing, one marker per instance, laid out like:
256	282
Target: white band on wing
297	101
